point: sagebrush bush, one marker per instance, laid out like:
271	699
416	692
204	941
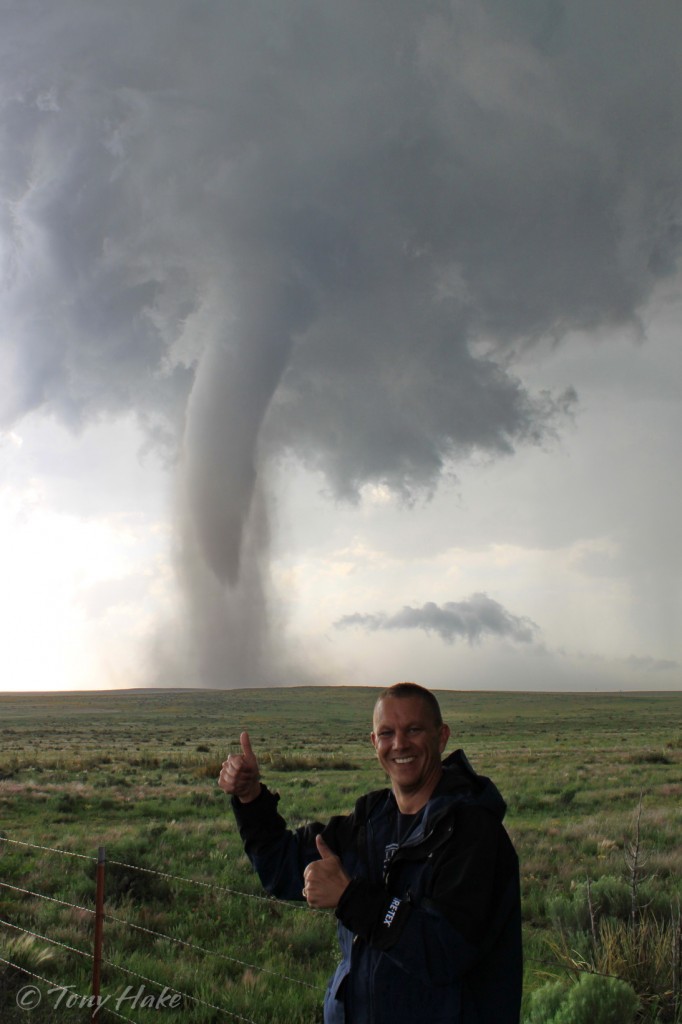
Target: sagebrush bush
597	1000
610	898
593	999
545	1003
644	953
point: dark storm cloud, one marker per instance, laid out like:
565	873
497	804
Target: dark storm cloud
472	619
323	228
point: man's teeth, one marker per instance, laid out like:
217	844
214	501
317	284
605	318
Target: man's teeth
403	760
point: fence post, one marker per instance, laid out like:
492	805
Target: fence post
99	929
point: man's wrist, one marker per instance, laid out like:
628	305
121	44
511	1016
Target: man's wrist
253	794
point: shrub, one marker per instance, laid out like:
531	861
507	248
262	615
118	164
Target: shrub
545	1002
643	955
597	1000
609	897
127	879
650	757
593	999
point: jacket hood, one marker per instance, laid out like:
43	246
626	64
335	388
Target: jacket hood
458	774
459	784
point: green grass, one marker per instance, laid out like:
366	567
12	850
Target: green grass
136	772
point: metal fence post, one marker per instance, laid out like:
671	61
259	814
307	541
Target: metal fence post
99	931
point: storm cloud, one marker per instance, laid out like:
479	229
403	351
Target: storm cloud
321	230
470	620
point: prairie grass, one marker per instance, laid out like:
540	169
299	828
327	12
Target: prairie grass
136	771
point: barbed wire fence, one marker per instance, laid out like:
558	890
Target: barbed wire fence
99	1004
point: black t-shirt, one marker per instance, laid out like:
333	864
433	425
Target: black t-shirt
402	827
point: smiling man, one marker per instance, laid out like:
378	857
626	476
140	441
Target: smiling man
422	876
409	737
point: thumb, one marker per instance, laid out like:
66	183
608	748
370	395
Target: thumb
247	749
322	848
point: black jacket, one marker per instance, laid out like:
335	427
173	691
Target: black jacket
435	934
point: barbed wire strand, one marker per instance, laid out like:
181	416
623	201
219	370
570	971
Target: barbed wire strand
212	952
45	938
126	970
42	896
49	849
186	995
163	935
290	904
53	986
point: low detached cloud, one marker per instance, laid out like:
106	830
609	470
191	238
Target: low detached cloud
479	615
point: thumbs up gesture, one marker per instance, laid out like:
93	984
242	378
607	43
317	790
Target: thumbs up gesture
239	775
325	880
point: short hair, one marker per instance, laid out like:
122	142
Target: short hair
413	690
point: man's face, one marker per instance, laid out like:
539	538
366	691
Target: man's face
408	743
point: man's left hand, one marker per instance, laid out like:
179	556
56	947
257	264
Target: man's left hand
325	880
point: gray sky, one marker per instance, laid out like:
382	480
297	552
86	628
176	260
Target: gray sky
339	343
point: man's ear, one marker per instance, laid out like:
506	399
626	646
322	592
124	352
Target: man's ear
444	736
373	737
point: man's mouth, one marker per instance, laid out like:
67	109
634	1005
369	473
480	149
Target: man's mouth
402	760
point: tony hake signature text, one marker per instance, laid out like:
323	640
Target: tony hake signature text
134	999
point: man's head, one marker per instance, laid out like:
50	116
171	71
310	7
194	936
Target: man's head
403	690
409	737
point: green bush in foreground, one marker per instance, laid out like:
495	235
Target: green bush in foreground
591	1000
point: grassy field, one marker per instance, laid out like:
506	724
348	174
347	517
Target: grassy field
135	771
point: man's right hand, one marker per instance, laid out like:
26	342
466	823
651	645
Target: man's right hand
239	775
